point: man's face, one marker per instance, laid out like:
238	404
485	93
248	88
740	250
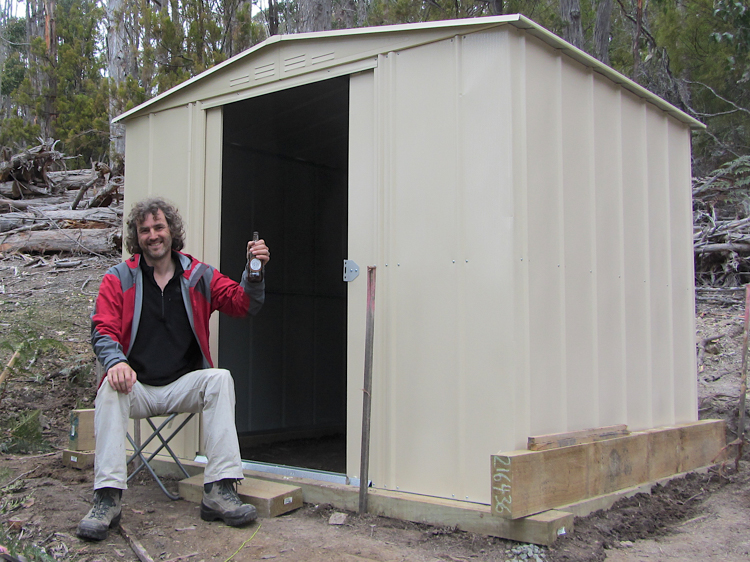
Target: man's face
154	237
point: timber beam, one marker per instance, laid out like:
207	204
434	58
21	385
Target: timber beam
529	482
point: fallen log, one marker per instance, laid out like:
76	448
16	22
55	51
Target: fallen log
17	189
75	240
38	226
7	190
71	179
737	247
40	202
11	221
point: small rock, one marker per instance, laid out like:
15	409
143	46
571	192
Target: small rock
626	544
337	519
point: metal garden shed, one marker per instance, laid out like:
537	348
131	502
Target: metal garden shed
528	210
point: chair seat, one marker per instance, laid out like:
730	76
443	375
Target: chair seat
145	462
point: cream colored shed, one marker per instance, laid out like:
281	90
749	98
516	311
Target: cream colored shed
528	210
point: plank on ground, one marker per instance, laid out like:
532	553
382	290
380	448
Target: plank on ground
528	482
269	498
78	459
556	440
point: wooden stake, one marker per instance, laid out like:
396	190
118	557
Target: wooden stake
182	557
367	392
743	386
137	547
9	366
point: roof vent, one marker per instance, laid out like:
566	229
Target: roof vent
265	70
293	63
322	58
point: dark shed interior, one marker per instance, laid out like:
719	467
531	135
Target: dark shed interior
285	168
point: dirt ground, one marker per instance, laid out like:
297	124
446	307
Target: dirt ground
44	305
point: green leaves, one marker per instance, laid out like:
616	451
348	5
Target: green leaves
25	436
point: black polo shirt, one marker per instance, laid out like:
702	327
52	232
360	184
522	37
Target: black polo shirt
165	347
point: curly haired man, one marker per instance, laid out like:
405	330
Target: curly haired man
150	332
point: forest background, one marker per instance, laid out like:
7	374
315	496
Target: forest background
67	67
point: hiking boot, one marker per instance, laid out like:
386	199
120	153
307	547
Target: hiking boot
105	513
220	501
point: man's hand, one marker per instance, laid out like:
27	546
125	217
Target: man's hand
259	250
121	377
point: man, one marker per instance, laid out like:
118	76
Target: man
150	332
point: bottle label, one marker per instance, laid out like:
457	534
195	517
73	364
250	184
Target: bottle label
255	264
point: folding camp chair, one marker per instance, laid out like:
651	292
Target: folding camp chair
145	462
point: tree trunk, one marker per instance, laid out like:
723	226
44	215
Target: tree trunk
50	103
637	38
34	14
199	39
273	17
315	15
496	7
570	12
347	16
363	9
146	72
602	30
161	55
116	66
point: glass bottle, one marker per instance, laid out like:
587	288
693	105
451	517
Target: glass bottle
255	266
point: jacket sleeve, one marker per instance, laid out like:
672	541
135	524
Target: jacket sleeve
106	323
236	299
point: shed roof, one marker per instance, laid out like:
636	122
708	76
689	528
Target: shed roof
367	43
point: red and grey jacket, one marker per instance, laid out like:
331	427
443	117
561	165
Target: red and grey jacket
114	322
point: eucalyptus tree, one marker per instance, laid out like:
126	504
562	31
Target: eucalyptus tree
119	67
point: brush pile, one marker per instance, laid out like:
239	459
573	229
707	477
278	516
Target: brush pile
721	226
46	209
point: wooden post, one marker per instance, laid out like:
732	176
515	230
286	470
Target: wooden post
367	392
743	374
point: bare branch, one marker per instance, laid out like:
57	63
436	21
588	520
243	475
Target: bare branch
722	98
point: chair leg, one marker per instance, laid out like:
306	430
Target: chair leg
144	462
165	443
138	452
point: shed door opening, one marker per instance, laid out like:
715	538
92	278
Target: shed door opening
284	174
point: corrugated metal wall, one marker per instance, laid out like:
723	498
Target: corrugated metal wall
531	225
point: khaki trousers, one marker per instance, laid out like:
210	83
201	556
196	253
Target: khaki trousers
207	391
